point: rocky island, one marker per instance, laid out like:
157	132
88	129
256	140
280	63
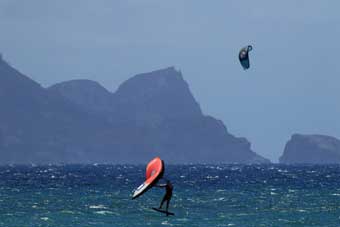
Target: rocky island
311	149
79	121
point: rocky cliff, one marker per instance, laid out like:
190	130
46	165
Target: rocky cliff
316	149
80	121
158	114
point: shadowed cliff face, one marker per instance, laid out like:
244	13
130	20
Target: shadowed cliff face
317	149
149	99
80	121
163	92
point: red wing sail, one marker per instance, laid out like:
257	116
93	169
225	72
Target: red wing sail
154	171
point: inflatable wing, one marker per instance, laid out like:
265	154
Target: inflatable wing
154	171
244	56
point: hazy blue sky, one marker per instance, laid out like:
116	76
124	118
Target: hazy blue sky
293	85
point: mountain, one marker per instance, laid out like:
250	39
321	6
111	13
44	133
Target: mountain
37	126
86	94
79	121
160	116
316	149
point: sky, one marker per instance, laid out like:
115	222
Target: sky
291	87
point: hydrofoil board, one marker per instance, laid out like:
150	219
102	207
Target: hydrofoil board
163	211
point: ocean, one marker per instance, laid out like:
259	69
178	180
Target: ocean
204	195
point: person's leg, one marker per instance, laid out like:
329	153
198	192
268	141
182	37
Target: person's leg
163	200
167	205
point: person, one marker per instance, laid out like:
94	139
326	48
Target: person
168	194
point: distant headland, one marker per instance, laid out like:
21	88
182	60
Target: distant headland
79	121
311	149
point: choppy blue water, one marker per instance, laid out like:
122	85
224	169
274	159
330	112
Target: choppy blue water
204	195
